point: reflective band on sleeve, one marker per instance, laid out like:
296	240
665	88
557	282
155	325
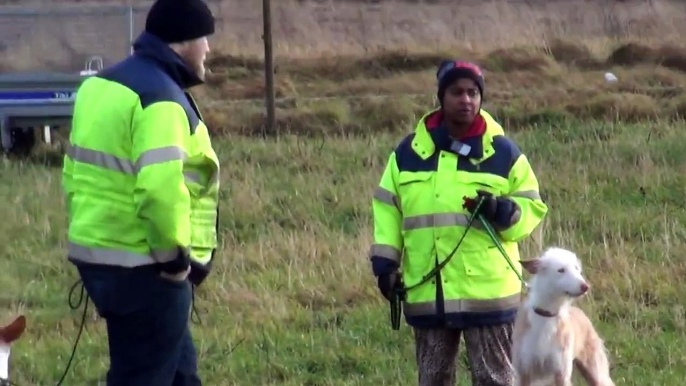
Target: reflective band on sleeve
108	256
386	196
160	155
438	220
101	159
192	176
111	162
118	257
383	250
532	194
163	256
464	305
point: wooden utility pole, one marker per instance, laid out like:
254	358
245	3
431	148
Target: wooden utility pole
268	65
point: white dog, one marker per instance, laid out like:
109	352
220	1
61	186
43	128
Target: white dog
551	337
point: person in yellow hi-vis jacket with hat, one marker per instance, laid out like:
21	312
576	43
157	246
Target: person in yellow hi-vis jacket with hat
141	182
458	154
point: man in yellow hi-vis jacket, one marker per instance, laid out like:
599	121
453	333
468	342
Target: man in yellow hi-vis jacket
141	182
457	154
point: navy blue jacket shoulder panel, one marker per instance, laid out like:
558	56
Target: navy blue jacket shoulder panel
145	79
409	161
506	153
508	149
503	159
156	74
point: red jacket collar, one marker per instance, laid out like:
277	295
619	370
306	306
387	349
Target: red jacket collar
477	128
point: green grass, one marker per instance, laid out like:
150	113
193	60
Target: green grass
293	283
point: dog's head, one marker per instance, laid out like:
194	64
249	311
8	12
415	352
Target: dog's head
557	273
9	334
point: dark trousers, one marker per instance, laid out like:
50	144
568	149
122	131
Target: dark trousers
147	325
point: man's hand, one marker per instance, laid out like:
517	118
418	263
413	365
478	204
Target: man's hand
497	210
387	284
181	276
487	209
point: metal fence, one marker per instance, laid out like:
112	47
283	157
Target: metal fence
62	39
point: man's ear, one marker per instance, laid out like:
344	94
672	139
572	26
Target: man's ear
530	266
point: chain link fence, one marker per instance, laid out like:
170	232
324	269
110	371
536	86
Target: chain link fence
63	39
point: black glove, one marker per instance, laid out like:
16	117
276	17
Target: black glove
499	211
387	284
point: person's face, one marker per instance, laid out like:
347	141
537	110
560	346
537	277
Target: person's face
462	101
194	53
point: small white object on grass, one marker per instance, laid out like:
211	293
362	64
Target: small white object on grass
610	77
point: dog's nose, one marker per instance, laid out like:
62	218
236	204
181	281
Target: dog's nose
584	288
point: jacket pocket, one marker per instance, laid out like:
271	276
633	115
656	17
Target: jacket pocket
414	188
487	263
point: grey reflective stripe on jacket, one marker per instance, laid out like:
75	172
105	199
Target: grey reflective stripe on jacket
437	220
112	162
115	257
122	165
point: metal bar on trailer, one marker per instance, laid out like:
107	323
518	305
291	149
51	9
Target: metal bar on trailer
81	10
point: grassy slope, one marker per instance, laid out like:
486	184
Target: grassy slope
564	81
293	282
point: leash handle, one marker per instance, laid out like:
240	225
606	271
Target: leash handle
396	312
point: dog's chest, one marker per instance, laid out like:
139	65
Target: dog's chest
541	349
4	361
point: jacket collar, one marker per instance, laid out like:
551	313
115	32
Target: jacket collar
427	141
150	47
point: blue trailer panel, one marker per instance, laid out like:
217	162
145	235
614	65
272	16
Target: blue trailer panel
35	102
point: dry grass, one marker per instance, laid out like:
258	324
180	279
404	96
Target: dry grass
524	85
544	61
292	280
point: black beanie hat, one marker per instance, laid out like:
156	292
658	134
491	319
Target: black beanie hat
174	21
449	71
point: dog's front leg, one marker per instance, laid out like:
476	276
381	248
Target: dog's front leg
561	379
563	376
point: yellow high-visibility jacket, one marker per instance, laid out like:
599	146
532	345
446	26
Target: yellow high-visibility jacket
419	218
140	176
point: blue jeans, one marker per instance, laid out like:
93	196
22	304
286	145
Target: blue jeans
147	325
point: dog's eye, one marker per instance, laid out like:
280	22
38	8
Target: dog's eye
561	270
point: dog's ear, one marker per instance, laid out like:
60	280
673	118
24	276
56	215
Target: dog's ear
12	332
531	266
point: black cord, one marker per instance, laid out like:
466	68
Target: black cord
73	306
194	309
83	322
